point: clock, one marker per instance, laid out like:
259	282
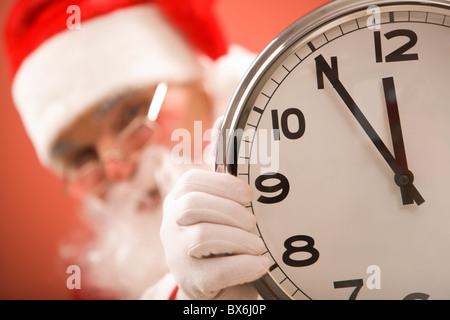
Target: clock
342	128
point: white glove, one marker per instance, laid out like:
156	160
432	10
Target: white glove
206	234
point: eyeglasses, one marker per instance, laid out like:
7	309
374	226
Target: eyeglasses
94	176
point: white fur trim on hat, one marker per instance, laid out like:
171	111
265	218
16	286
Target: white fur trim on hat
224	75
74	70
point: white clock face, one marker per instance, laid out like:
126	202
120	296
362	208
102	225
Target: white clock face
352	189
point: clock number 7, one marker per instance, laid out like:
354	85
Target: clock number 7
357	283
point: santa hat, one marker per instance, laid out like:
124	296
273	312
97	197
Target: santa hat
58	73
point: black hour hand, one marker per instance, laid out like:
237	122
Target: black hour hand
404	178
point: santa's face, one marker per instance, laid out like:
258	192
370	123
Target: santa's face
120	165
103	147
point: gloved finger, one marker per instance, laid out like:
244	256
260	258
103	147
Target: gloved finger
216	130
215	139
219	184
197	207
224	272
244	291
207	239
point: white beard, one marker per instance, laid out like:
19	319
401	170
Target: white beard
126	256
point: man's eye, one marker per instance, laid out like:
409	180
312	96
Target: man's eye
135	111
131	113
84	156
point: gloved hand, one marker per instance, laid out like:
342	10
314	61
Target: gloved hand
207	236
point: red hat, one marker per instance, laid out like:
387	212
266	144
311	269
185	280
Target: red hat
31	22
59	73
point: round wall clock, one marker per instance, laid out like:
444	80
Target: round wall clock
342	129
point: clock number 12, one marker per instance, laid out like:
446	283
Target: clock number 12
398	54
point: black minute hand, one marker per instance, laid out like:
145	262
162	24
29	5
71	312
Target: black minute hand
400	178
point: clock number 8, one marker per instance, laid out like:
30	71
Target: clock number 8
308	248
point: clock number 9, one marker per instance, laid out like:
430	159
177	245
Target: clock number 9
283	185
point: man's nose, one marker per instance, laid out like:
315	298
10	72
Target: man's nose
117	169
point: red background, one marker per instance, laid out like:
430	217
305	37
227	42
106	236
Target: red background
34	214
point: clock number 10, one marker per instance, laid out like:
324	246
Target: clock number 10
285	129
